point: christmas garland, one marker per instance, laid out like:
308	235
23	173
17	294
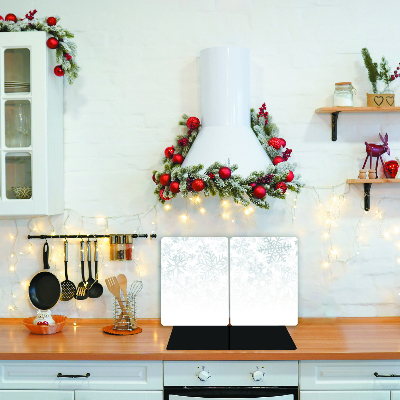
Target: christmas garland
220	179
65	48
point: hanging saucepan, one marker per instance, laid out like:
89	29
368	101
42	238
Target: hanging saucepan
45	288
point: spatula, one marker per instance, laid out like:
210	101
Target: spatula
123	284
68	289
81	290
115	290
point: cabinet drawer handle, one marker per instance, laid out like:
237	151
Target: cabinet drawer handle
386	376
60	375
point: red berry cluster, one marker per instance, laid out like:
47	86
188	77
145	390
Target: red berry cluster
282	186
211	175
31	15
189	182
396	73
265	179
183	142
286	154
67	56
263	113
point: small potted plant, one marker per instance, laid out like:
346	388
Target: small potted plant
383	74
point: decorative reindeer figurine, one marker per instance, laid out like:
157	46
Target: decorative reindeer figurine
376	150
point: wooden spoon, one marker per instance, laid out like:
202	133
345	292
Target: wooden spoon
123	284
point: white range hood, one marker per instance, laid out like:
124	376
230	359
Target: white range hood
226	135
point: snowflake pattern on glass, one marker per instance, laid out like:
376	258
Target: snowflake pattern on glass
194	281
264	280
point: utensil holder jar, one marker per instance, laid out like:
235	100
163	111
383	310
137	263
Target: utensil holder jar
124	314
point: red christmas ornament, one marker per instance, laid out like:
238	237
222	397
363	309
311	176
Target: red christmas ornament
252	184
174	187
391	168
177	159
169	151
59	71
283	142
282	186
154	179
52	43
162	196
275	142
277	160
198	185
51	21
259	192
224	173
165	179
11	17
1	18
290	176
193	123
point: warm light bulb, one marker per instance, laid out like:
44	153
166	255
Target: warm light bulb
10	308
167	207
202	210
11	237
198	200
328	221
184	217
247	212
326	264
326	235
386	235
396	229
398	260
12	255
11	268
333	198
251	209
294	206
75	323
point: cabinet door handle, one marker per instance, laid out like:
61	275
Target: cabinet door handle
386	376
60	375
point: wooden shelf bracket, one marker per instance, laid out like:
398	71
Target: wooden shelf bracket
335	117
367	196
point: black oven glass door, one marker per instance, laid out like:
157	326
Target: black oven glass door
226	393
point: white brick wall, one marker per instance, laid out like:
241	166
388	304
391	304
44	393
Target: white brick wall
139	74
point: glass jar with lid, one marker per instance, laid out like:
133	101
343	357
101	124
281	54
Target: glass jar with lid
343	95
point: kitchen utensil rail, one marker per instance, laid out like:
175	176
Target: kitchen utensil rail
135	235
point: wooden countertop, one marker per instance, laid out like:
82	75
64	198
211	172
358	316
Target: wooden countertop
316	339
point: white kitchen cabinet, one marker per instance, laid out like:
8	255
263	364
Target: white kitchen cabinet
31	127
343	395
109	395
395	395
36	395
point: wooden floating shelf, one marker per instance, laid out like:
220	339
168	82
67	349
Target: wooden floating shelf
330	110
334	111
379	180
367	187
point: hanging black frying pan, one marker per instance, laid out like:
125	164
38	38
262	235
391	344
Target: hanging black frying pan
45	288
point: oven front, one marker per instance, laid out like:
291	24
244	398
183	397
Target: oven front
221	380
237	393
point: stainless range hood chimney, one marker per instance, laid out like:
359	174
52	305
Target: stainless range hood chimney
226	135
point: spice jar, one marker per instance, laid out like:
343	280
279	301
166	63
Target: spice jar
343	95
113	247
128	247
120	247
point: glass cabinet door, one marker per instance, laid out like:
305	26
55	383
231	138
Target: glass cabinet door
16	162
17	66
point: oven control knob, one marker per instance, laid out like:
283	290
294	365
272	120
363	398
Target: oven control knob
204	375
257	375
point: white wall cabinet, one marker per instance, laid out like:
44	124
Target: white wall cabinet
36	395
31	127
